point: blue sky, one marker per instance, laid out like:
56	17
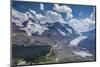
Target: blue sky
80	17
79	11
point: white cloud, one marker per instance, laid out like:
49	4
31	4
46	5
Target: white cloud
53	17
33	12
50	17
41	6
42	19
37	17
64	8
34	28
79	25
18	18
82	25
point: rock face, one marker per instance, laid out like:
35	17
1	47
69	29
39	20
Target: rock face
43	35
50	37
30	42
53	38
19	37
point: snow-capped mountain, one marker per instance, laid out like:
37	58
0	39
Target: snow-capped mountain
33	23
51	29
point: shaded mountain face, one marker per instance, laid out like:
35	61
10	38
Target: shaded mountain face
89	43
41	44
42	36
19	37
52	36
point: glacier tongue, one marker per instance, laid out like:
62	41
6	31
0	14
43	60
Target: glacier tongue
76	41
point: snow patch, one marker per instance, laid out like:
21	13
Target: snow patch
82	53
34	28
61	32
